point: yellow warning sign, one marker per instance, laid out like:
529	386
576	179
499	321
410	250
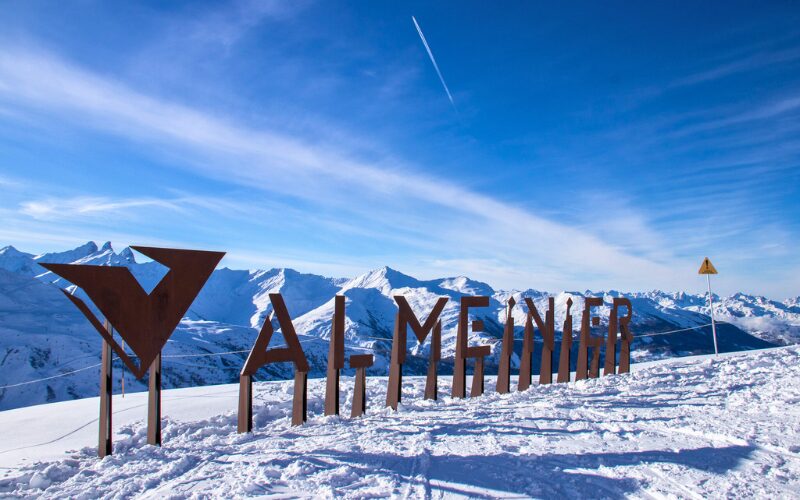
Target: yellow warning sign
707	267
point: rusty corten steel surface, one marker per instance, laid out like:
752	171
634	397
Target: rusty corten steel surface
432	380
106	390
547	331
626	336
477	379
566	346
587	321
405	317
335	357
360	362
610	365
408	318
394	384
300	398
145	321
359	393
245	414
504	370
463	351
594	367
154	403
526	358
261	355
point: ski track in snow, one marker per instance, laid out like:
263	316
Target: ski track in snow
691	428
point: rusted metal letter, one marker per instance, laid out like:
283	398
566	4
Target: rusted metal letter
627	337
566	346
463	351
405	318
432	380
261	355
360	362
335	357
525	363
610	365
587	321
547	331
504	370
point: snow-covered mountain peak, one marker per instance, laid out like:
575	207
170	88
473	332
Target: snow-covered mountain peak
384	279
127	255
466	286
69	256
11	250
14	261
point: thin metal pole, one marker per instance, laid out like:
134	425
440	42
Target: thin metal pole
711	308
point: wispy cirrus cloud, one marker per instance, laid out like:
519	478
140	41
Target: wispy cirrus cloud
90	206
747	63
389	194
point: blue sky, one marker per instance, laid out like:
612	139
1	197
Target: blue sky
588	145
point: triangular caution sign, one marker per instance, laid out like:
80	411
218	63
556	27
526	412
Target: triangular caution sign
707	267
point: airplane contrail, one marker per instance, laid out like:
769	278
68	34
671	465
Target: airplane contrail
433	60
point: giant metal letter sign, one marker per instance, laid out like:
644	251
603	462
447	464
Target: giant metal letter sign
547	331
582	371
463	351
261	355
405	318
504	370
144	321
566	346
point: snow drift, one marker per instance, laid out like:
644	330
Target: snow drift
687	428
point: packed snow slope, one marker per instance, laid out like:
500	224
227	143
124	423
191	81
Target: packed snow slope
688	428
42	334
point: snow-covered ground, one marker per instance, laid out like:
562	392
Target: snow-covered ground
693	428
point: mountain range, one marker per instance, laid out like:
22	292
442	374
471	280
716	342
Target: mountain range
42	335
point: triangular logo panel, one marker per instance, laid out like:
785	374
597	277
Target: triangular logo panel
145	321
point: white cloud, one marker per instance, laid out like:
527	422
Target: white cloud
53	208
391	195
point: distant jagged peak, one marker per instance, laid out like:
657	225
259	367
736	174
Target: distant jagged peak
384	279
68	256
466	286
11	251
14	261
127	255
